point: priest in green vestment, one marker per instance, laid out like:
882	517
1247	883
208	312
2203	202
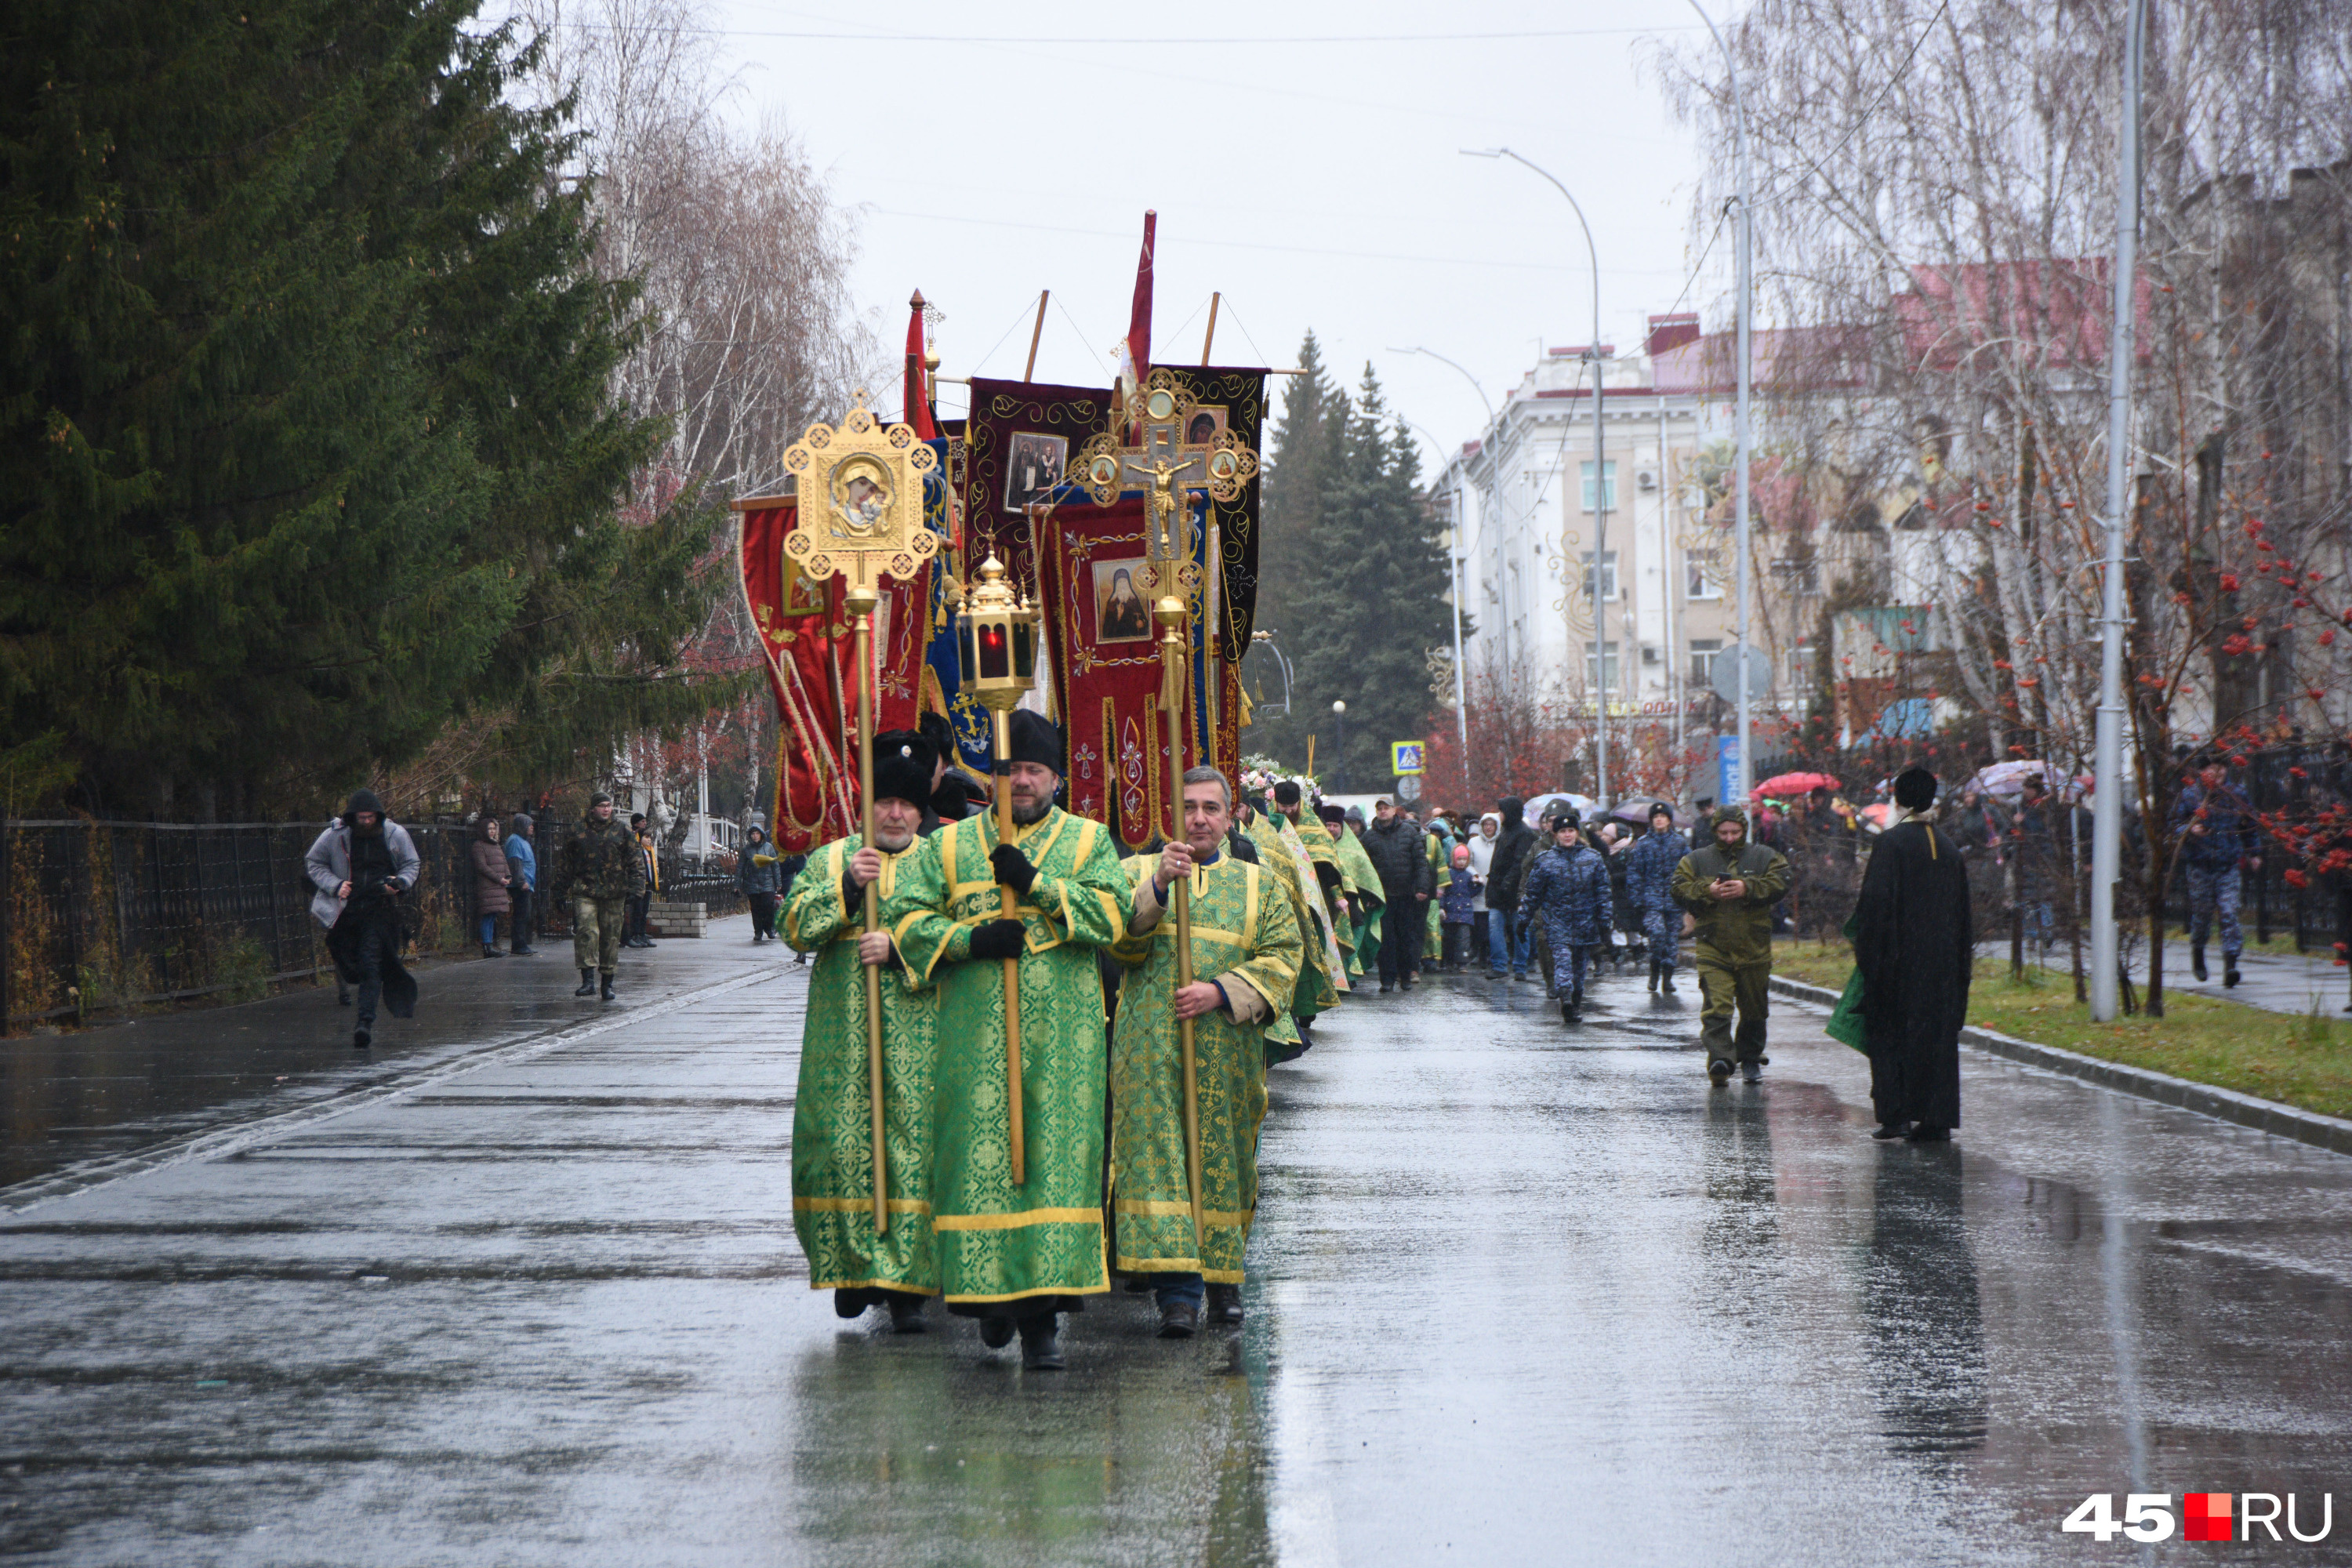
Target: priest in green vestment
1359	880
1282	858
1245	951
1015	1256
833	1143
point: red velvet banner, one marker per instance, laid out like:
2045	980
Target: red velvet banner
811	652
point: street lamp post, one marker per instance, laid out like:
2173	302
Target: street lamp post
1746	323
1600	488
1282	662
2107	743
1339	712
1456	557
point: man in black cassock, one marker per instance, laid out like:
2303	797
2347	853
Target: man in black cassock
1915	944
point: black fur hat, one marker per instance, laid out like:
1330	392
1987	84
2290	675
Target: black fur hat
903	763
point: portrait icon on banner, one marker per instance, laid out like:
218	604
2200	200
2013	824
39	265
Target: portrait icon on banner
1032	466
1208	423
1120	614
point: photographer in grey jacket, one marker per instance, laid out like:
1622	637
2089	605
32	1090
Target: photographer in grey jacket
359	866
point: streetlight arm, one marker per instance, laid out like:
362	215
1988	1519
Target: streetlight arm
1475	384
1591	251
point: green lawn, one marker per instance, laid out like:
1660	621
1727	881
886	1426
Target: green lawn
2303	1061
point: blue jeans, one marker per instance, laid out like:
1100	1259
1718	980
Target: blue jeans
489	931
1509	944
1168	1288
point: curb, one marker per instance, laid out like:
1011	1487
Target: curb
222	1141
2330	1133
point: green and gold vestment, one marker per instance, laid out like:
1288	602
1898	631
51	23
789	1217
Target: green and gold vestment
998	1242
1324	974
1245	934
1363	886
833	1140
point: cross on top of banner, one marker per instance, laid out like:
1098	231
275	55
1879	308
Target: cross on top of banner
1223	467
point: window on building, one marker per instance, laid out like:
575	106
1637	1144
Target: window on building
1601	665
1608	589
1587	470
1797	576
1702	572
1801	667
1704	651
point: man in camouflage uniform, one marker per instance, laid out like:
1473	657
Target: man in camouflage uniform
605	870
1650	867
1566	896
1731	886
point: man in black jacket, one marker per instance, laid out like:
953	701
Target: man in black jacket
1399	851
1507	947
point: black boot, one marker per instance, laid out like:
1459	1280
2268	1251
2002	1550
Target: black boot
1667	978
607	975
996	1332
906	1313
2228	969
2196	960
587	984
1040	1343
1225	1304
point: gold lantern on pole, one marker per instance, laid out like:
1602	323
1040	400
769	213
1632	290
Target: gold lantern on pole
859	515
996	641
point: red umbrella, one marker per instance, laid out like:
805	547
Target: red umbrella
1793	783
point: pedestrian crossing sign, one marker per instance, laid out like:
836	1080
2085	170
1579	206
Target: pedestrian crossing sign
1404	757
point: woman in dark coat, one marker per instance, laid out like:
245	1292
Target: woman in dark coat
491	879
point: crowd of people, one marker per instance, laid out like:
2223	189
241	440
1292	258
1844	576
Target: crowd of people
1067	1099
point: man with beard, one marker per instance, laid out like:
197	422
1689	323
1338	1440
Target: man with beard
1312	851
833	1140
1507	940
1399	852
1915	943
360	867
607	866
1246	955
1731	886
1015	1256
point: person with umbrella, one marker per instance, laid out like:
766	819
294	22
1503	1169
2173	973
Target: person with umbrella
1650	886
1731	886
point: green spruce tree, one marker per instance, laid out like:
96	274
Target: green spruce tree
306	441
1291	553
1368	605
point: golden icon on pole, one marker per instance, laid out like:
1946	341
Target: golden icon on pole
996	642
859	517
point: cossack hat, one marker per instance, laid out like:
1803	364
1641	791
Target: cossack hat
1034	738
903	764
1330	813
1286	791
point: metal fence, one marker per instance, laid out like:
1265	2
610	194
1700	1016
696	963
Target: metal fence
102	916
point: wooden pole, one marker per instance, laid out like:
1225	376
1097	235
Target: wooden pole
860	601
1211	335
1011	906
1212	640
1170	614
1029	371
1310	755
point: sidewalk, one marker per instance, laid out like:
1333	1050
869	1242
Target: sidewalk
2275	983
106	1092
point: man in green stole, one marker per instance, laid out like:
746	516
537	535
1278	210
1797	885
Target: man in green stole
1285	1036
1015	1256
1358	879
1245	956
833	1143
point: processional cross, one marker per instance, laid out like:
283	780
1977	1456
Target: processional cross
1169	472
859	515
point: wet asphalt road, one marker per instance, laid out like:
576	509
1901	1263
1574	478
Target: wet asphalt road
1519	1294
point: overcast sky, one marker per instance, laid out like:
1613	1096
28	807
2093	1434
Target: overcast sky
990	151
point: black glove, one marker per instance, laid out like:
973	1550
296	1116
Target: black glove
1012	868
1000	938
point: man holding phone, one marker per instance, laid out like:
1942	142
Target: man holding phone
1730	886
